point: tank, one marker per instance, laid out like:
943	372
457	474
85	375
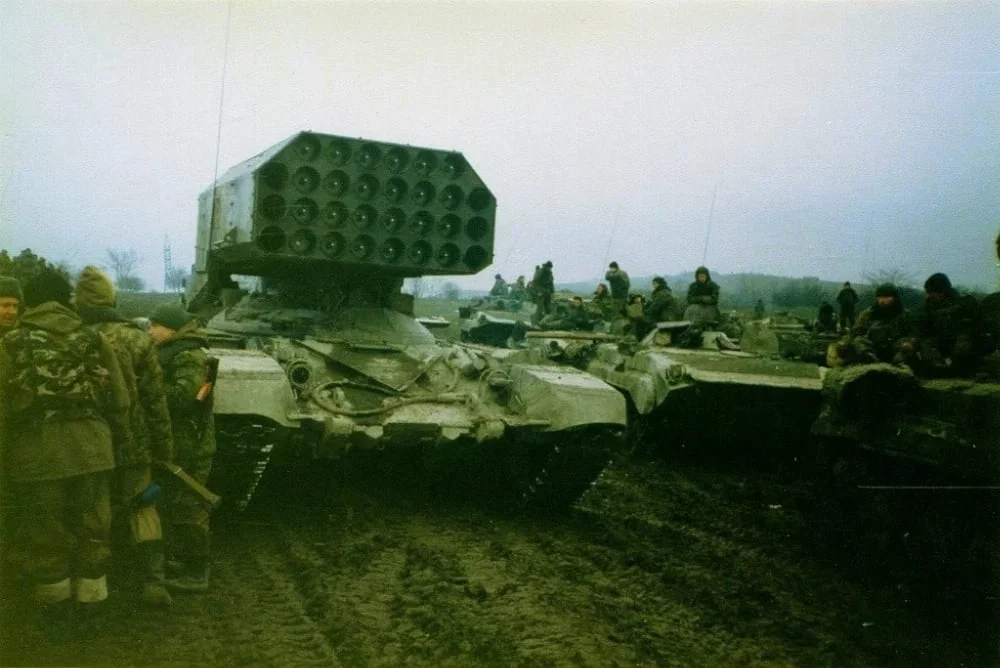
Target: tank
301	255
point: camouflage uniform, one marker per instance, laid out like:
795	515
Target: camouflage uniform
183	359
888	330
948	330
65	406
603	307
148	418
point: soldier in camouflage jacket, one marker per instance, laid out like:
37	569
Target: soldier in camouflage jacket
149	420
65	408
181	351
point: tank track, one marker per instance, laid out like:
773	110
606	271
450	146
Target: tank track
244	448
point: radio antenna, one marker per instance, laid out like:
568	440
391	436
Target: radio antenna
708	230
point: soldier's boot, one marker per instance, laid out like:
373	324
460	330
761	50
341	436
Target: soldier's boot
50	593
193	579
91	590
154	591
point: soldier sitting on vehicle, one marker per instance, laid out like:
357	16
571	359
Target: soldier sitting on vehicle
947	330
517	289
702	299
662	305
602	306
886	327
571	317
499	288
826	320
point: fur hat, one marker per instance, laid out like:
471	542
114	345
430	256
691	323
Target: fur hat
11	287
48	286
937	283
94	288
170	316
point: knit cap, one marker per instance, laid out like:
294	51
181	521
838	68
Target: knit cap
94	289
170	316
10	287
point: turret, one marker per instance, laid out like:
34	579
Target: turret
318	205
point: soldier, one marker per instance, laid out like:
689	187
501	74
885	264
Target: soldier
543	286
517	290
181	351
759	311
702	299
499	288
65	407
601	305
148	419
847	299
662	306
826	321
620	284
947	330
10	303
886	326
573	318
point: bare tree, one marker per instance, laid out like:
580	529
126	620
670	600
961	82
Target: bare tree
176	278
896	276
131	284
123	262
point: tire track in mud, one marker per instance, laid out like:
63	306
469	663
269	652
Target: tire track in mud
662	565
269	622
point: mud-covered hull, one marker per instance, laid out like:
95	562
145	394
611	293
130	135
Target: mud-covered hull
545	431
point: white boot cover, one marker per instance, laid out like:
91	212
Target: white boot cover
55	592
91	590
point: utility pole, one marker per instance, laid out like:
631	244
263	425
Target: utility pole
167	265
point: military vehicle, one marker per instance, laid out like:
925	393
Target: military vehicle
917	460
301	255
682	389
494	320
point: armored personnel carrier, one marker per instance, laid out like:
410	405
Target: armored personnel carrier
301	256
682	390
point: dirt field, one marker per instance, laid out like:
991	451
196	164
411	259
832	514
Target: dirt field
686	565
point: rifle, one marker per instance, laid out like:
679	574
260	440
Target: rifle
211	374
208	496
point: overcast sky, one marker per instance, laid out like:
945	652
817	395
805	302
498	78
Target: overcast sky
840	138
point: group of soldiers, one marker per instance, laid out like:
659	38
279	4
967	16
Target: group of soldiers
945	336
616	304
91	405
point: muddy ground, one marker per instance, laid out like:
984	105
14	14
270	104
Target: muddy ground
686	564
